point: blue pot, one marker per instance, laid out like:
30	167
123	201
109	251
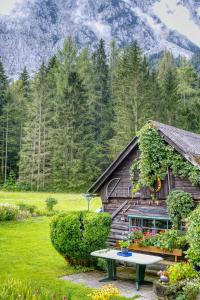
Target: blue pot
124	250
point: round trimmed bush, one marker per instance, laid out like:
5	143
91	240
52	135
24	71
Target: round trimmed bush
179	205
76	234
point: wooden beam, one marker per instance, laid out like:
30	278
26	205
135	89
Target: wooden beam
119	209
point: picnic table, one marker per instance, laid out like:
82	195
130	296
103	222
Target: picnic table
141	260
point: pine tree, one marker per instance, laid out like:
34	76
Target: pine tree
3	88
187	81
188	93
3	120
15	114
167	78
101	109
130	94
195	61
25	83
34	156
86	71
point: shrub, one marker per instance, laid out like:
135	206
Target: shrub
186	289
10	183
23	214
76	234
28	207
105	292
193	237
44	212
179	206
8	212
50	203
191	290
181	271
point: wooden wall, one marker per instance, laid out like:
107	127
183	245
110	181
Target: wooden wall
118	201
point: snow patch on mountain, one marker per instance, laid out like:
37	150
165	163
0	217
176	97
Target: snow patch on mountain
6	6
177	17
100	29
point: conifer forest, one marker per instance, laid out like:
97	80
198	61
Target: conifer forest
62	126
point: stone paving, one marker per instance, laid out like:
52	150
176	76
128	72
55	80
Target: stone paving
126	285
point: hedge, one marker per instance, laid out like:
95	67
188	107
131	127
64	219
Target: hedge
76	234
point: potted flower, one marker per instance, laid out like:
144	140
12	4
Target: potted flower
135	234
124	246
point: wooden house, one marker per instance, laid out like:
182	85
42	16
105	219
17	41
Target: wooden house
114	186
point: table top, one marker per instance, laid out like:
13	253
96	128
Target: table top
137	258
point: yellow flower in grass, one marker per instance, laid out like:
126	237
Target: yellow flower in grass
105	292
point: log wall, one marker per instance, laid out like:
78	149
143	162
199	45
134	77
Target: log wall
117	191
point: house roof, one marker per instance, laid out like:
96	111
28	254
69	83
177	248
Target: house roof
185	142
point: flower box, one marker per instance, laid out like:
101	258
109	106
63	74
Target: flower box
152	249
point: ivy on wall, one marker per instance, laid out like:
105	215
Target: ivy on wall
156	156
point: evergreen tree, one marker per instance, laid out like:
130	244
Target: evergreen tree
187	81
3	88
130	92
195	61
15	114
167	78
34	156
101	109
92	149
3	121
189	95
25	83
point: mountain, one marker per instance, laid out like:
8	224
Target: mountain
36	29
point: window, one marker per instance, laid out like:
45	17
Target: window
149	223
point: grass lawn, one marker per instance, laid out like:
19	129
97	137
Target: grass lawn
65	201
25	249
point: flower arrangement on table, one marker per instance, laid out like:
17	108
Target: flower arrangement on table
124	244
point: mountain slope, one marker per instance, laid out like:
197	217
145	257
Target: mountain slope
36	29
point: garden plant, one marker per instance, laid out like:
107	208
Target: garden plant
193	237
76	234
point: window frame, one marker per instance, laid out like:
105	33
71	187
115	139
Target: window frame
154	218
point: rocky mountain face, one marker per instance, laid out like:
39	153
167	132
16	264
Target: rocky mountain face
36	29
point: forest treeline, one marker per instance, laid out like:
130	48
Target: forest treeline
63	126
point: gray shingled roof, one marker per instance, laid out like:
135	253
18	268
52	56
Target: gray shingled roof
185	142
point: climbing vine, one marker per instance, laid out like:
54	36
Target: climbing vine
179	205
156	156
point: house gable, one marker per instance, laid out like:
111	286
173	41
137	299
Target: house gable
184	142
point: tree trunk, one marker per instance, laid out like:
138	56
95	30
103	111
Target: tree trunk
6	149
